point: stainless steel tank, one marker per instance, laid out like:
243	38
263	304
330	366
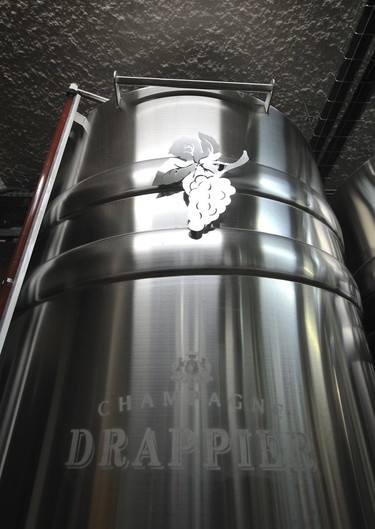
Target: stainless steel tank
354	204
188	349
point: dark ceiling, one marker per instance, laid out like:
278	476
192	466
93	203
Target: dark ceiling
47	45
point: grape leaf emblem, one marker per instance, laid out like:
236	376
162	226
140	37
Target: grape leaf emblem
197	165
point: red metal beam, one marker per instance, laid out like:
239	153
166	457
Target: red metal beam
14	263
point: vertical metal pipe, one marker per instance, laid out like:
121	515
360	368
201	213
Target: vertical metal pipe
32	224
23	252
344	80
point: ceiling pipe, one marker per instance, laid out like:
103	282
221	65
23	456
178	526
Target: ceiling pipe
355	109
353	57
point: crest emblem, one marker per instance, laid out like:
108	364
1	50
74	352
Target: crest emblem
191	369
197	165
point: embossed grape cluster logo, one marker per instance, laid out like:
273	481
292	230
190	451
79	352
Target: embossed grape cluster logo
198	166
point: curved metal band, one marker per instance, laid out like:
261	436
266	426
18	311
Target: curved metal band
137	179
247	212
223	251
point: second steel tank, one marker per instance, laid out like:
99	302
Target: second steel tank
354	205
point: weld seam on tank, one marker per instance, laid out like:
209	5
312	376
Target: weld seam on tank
93	258
177	273
154	93
173	273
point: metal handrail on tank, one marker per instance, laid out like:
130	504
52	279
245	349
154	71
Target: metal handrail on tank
199	84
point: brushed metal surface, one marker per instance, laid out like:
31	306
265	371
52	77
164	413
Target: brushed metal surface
354	205
170	252
136	179
158	380
114	218
142	130
279	368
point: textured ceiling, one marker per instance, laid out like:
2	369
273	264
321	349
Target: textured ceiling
47	45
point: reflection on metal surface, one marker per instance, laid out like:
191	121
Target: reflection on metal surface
168	381
354	204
